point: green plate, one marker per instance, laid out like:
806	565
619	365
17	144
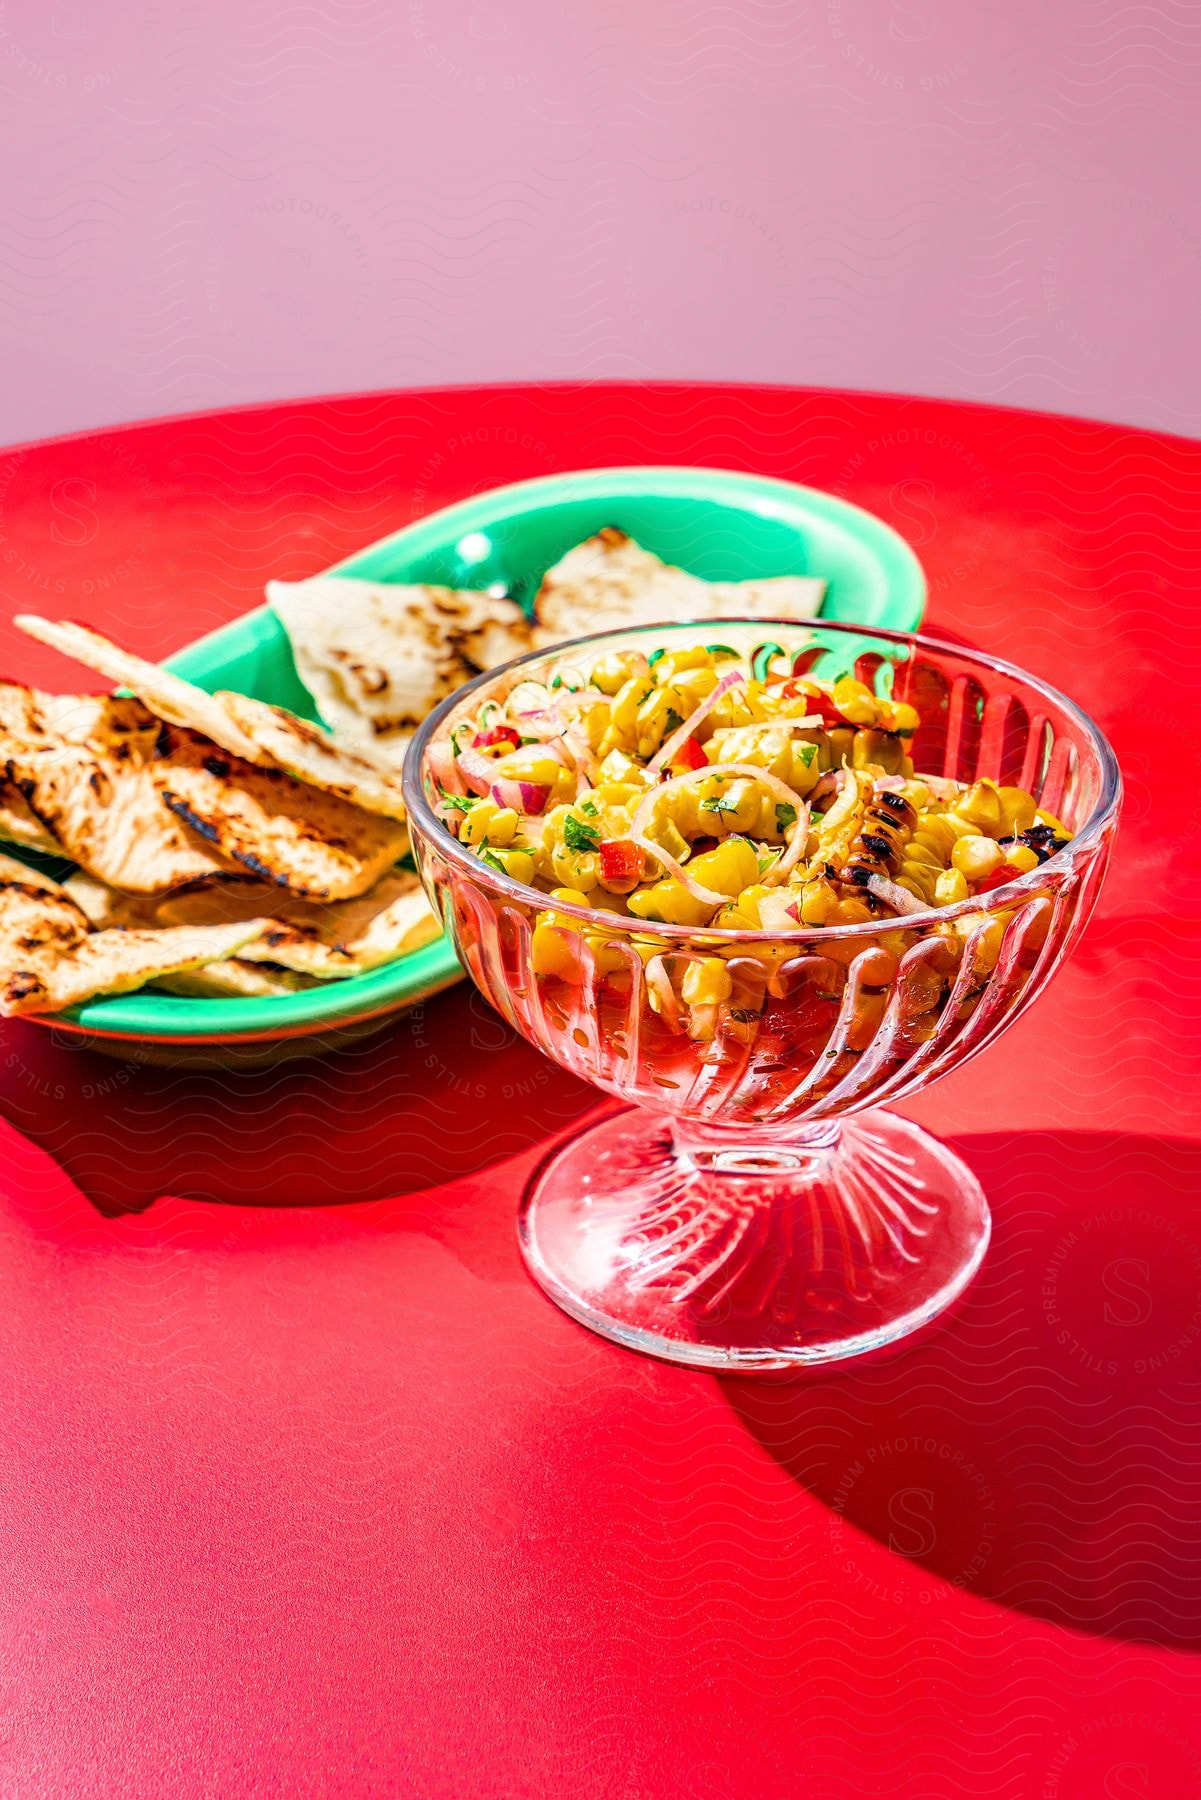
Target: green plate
717	524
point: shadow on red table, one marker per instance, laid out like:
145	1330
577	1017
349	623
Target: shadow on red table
443	1092
1043	1449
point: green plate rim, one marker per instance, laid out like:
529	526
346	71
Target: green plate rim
427	971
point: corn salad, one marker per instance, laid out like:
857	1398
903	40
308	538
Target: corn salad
697	788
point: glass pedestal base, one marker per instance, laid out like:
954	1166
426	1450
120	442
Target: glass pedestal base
722	1251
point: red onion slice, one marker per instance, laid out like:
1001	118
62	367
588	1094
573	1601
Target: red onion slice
477	770
668	748
795	850
445	769
522	796
894	895
658	983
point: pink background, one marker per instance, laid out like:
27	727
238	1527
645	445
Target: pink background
214	202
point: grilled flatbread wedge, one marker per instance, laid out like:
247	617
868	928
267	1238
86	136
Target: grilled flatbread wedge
610	581
309	754
271	825
234	979
83	764
250	729
51	958
167	696
377	657
20	826
347	937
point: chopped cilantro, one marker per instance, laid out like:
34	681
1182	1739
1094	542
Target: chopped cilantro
586	806
808	752
721	803
785	816
673	721
458	802
493	862
654	657
580	839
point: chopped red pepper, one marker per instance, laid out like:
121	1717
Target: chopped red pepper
998	878
689	755
496	734
620	860
814	703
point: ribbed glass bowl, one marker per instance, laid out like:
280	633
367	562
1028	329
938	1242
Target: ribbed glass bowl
749	1211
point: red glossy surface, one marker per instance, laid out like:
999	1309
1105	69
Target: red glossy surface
307	1490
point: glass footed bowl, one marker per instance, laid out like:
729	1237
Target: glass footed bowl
751	1208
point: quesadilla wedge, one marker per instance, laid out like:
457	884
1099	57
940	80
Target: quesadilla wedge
50	957
609	581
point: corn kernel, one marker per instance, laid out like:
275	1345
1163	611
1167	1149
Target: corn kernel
608	955
610	673
474	828
1022	859
732	918
728	869
987	947
976	857
670	903
567	896
706	982
1017	810
517	863
950	887
981	807
676	661
554	948
851	911
751	899
817	902
530	763
877	750
503	825
855	701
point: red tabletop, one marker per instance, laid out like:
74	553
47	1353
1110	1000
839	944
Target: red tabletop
307	1490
